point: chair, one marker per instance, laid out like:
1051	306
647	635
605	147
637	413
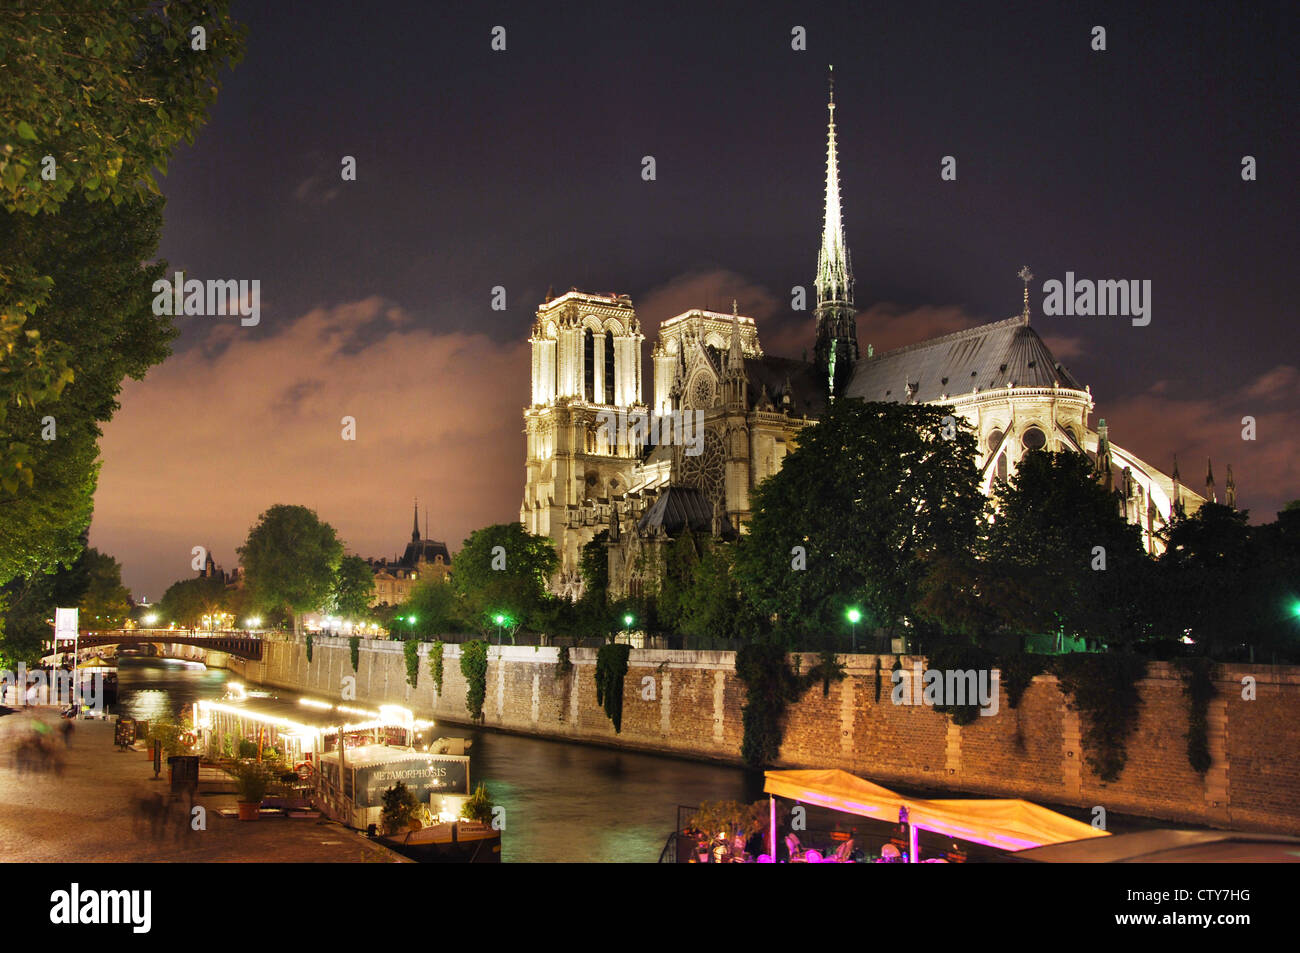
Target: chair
842	853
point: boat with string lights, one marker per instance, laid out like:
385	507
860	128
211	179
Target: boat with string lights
347	759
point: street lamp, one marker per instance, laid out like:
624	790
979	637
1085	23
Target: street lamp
500	620
854	617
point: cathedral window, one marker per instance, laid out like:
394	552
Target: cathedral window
1034	439
609	369
995	438
588	365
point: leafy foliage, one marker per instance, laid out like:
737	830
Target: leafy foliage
871	490
519	589
352	588
187	601
290	559
435	665
1052	516
611	667
479	806
1198	686
107	90
411	650
770	686
435	606
309	640
473	665
1104	689
354	650
399	808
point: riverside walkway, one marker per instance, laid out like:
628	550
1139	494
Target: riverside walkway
87	813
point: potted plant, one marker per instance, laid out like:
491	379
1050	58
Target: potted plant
478	807
251	781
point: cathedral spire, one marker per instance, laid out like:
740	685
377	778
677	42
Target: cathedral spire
1103	456
1210	493
1177	502
1026	276
837	335
415	528
736	355
1230	489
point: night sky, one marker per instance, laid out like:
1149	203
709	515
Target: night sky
523	169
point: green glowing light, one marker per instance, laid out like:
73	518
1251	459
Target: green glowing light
854	616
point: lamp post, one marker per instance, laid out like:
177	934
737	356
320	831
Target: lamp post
854	617
500	620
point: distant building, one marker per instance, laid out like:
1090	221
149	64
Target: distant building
423	559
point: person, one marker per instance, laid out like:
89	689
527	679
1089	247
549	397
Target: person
67	728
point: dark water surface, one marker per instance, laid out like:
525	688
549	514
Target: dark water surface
563	801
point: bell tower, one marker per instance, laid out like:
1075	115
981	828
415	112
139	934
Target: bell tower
586	380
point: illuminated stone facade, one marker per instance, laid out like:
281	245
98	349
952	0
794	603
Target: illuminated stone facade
1001	380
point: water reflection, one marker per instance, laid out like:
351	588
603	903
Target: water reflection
150	688
563	802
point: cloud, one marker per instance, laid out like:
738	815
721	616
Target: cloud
713	290
215	435
1168	419
316	190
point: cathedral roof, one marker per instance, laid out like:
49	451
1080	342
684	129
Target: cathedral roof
988	356
678	508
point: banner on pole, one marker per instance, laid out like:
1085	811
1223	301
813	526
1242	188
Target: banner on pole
65	624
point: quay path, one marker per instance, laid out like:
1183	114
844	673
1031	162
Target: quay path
87	814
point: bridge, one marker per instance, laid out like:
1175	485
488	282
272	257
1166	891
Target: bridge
232	642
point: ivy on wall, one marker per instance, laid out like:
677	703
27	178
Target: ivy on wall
563	665
411	649
877	679
308	648
771	684
1017	672
354	647
435	665
1104	688
611	666
1198	686
961	658
473	665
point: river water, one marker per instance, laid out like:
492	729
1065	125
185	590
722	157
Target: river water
563	801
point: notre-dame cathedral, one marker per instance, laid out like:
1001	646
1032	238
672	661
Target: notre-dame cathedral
582	477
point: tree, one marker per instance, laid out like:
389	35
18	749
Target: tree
106	602
434	606
700	597
290	560
187	601
104	92
353	586
503	569
870	490
1060	532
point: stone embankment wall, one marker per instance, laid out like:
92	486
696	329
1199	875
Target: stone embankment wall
692	707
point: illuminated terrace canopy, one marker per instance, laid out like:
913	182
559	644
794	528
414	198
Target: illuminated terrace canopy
1007	824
